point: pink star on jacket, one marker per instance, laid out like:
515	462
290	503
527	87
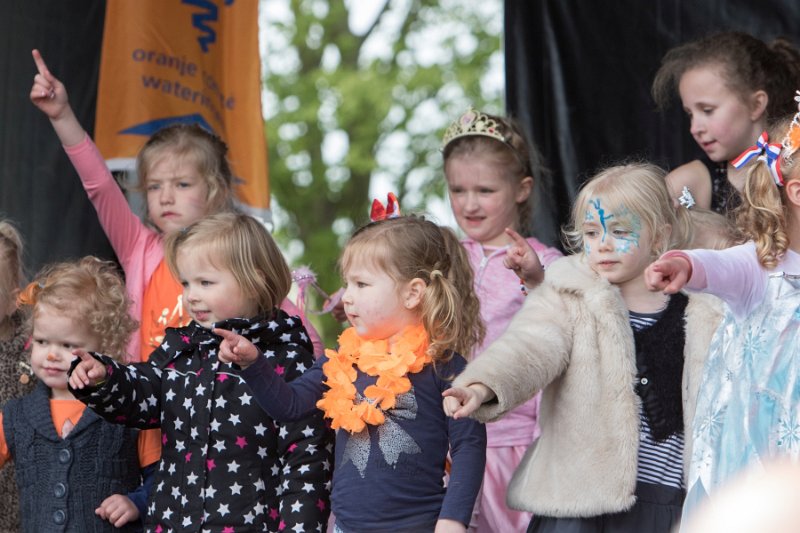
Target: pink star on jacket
241	442
188	457
185	339
159	529
292	447
321	505
222	377
163	439
210	464
279	370
228	529
281	526
273	513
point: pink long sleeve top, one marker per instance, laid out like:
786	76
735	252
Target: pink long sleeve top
139	248
499	292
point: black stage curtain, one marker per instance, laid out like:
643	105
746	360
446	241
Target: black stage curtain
39	190
578	77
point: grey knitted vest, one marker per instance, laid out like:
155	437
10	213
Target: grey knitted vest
62	481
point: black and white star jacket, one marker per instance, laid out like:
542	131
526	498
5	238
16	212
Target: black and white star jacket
226	465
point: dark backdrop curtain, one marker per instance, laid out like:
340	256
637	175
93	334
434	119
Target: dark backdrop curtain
39	189
578	77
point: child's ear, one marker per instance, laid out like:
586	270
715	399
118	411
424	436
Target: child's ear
412	295
758	105
524	189
792	191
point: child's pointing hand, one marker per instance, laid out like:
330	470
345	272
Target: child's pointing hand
235	349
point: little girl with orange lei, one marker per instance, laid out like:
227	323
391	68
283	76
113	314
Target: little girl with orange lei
409	297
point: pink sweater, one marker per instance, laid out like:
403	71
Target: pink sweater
498	290
139	248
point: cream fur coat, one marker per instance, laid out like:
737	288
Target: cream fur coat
573	339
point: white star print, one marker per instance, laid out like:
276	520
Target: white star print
167	513
210	491
223	509
260	429
308	432
272	325
219	446
234	419
233	466
187	521
170	395
245	399
282	432
191	479
179	445
296	506
308	488
236	488
215	425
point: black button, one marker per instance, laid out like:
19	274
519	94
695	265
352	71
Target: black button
59	490
59	517
64	456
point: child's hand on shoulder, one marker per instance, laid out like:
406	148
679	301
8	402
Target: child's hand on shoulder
235	349
89	373
669	274
522	259
118	510
446	525
460	402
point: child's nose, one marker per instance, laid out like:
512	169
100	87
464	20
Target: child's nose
52	357
167	195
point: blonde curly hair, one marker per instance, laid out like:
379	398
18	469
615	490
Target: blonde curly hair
90	290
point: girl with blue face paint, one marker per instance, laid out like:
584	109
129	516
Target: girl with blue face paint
617	364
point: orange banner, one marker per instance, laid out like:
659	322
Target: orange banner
167	61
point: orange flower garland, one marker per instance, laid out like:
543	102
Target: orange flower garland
408	355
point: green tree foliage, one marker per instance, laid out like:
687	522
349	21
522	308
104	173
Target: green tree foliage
354	113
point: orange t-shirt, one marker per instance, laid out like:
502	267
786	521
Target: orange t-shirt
149	444
162	308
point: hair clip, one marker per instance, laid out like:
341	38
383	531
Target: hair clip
764	151
686	199
791	142
473	122
381	212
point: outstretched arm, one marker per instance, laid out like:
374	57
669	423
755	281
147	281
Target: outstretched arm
111	389
460	402
669	274
50	96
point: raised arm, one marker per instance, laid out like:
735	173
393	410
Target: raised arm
50	96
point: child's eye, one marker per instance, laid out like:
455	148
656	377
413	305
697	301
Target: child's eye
152	186
68	346
621	232
206	283
456	190
590	233
184	184
360	284
184	284
485	190
40	342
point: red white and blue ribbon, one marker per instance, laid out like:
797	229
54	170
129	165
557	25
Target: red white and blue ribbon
764	151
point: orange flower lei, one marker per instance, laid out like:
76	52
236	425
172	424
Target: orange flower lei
408	355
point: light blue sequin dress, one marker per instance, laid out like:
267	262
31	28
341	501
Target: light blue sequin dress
748	406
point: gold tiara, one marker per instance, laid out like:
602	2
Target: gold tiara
473	122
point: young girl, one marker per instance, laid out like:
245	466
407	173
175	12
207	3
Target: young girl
489	170
609	357
225	465
185	175
75	472
15	380
731	84
747	409
408	295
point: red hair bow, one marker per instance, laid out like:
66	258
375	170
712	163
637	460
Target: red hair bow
381	212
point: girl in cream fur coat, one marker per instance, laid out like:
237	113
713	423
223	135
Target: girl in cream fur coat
618	365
